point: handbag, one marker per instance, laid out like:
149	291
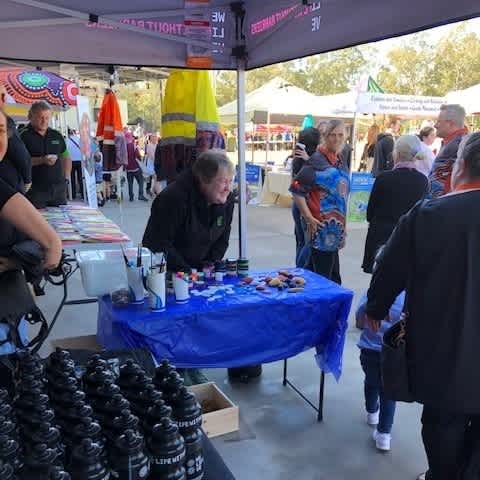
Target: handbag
395	377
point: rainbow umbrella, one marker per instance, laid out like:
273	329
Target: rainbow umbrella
27	87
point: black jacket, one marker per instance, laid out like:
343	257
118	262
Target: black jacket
433	254
186	228
394	193
382	154
16	167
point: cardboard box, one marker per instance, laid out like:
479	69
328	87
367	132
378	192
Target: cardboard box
222	415
85	342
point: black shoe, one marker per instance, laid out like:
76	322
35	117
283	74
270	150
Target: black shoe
131	199
144	199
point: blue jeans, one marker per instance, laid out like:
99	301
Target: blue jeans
374	396
299	233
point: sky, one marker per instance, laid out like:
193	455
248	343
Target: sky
433	35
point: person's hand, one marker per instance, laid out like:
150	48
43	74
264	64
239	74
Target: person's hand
373	324
156	187
7	264
50	160
299	152
53	255
312	226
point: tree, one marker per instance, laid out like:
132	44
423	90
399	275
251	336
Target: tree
145	101
456	61
323	74
419	68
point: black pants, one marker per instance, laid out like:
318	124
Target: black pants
326	264
449	440
76	176
48	196
138	175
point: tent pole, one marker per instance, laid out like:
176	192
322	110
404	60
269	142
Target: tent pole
354	143
242	185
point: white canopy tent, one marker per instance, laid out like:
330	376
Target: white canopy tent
468	98
278	101
218	34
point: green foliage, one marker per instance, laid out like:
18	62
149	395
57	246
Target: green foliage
144	101
417	68
324	74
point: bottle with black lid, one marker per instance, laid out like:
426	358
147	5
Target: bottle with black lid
88	463
167	450
187	412
128	459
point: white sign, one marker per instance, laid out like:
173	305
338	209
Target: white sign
399	104
88	163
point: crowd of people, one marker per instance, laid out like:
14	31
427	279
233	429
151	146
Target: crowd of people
421	249
421	246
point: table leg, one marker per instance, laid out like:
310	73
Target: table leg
320	398
318	408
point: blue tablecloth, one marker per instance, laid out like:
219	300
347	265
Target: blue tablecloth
244	328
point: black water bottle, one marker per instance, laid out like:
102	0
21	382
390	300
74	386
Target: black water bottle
4	396
167	450
46	434
39	462
95	361
88	428
28	402
10	453
96	379
7	411
128	459
6	471
113	407
102	395
142	400
63	366
36	415
155	414
137	385
127	379
8	428
187	412
170	387
88	462
58	473
162	372
121	423
70	415
28	364
67	398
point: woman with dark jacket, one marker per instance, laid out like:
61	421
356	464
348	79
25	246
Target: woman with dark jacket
394	193
308	140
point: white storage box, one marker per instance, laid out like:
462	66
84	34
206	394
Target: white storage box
104	270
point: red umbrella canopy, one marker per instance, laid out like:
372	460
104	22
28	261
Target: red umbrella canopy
26	87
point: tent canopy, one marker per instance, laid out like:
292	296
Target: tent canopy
468	98
201	33
273	99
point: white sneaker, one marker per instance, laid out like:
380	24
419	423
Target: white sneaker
382	440
372	418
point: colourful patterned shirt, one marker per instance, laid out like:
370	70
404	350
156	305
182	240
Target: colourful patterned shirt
325	188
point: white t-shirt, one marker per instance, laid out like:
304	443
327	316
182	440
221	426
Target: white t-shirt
425	165
73	146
